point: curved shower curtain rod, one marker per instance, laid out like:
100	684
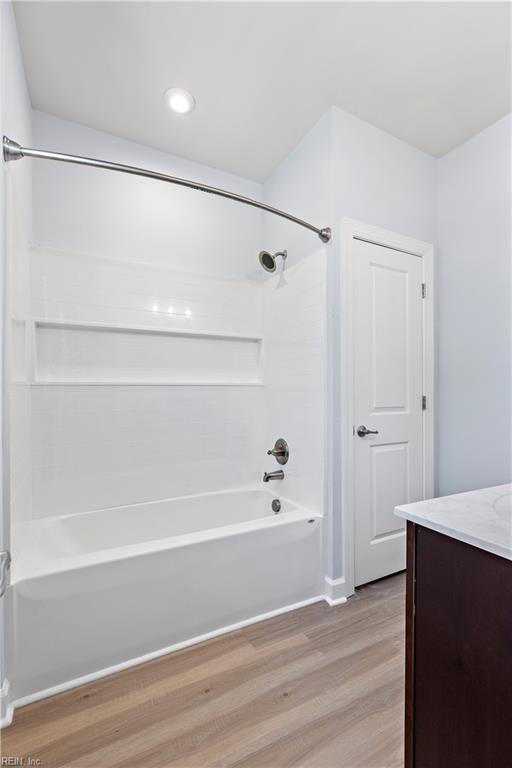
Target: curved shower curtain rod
13	151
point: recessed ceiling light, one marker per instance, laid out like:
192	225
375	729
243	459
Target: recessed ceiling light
179	100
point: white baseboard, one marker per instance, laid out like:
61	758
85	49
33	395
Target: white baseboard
77	681
335	591
6	706
338	601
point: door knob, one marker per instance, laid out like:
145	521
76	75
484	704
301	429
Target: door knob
362	431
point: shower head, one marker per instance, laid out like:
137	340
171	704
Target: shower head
268	260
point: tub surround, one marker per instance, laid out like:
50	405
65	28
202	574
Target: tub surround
458	702
481	518
131	367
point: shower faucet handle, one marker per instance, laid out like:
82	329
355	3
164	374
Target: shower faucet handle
280	451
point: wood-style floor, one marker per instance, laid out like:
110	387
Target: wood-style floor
318	687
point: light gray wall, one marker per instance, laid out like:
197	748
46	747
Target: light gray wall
381	180
474	322
128	218
301	185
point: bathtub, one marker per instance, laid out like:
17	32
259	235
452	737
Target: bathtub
96	592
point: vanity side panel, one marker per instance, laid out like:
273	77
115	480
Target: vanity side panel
409	645
462	655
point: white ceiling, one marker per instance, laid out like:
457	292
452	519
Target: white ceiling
432	74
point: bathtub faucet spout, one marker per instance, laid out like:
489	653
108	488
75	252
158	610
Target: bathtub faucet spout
277	475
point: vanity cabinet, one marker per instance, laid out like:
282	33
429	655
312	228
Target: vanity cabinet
458	697
458	654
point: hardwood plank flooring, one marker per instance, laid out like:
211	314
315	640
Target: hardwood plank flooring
320	688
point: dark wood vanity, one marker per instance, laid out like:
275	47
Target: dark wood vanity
458	645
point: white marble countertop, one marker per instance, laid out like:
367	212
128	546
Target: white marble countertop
482	518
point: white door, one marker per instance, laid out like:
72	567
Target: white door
388	382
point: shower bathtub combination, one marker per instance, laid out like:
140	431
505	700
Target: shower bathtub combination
137	382
100	591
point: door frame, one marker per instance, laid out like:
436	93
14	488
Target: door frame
355	230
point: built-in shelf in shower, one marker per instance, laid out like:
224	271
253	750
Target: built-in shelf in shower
116	355
143	383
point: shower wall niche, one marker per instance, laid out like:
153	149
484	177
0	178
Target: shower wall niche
68	353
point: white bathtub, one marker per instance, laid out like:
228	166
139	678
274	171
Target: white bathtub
98	591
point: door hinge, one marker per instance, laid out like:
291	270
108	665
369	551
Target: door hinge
423	290
5	564
423	402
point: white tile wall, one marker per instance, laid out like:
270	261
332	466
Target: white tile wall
100	446
103	445
18	313
78	288
96	447
20	452
294	375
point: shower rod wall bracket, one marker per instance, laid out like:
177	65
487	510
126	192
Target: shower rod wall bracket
14	151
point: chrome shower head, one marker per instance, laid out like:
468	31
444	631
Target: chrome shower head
268	260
